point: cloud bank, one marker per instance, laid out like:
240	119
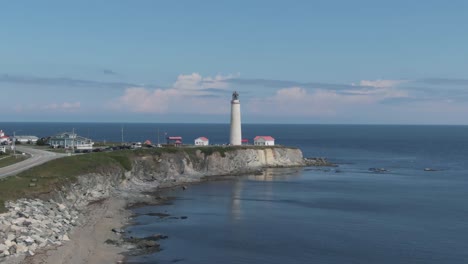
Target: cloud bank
190	93
278	100
193	93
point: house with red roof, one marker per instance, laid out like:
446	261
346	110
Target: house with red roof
202	141
176	141
3	137
264	141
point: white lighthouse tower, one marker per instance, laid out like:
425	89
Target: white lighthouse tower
236	131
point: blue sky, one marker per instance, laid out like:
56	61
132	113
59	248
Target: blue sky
377	62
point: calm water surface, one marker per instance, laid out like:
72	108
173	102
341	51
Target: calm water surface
320	215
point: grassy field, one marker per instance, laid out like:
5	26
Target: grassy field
7	160
56	173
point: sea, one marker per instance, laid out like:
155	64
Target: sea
345	214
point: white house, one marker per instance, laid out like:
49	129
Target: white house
202	141
3	137
27	139
264	141
70	140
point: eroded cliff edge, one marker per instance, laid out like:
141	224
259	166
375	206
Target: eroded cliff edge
165	167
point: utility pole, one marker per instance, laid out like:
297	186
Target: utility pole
14	144
122	135
73	141
158	137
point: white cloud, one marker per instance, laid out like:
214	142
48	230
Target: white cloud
187	94
144	100
297	101
192	93
380	89
63	106
195	81
381	83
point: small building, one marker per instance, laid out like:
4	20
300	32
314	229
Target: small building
2	149
264	141
147	143
26	139
245	141
70	140
3	138
202	141
136	145
176	141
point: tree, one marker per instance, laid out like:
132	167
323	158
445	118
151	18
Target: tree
41	142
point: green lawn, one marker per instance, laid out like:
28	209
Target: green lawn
7	160
56	173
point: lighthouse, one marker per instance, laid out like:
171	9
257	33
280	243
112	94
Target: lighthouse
236	131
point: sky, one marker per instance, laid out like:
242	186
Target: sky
313	62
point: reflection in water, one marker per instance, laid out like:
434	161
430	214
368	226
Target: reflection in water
236	209
269	175
275	174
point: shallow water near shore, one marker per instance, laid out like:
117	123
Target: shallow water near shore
328	215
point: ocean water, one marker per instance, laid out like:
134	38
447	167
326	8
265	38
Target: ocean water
321	215
313	215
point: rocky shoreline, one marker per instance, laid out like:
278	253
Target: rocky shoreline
318	162
74	224
33	224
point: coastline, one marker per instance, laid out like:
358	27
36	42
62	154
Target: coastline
104	201
87	241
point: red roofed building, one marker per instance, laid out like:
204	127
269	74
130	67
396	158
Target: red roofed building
202	141
176	141
264	141
3	137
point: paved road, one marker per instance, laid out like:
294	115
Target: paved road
37	157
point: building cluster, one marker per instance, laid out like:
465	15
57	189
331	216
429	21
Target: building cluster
70	140
65	140
6	140
204	141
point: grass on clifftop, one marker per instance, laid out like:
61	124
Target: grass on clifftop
207	150
56	173
7	160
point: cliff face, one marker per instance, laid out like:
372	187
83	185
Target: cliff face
164	168
192	165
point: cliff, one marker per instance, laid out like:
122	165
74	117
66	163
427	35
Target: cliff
192	164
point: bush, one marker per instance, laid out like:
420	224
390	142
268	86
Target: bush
41	142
